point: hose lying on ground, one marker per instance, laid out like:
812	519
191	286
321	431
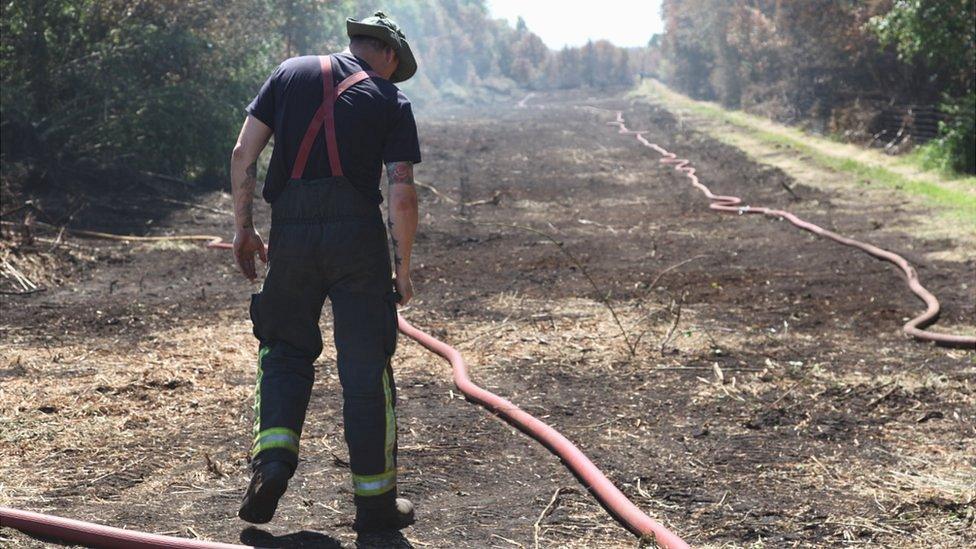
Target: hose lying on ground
731	204
97	535
629	515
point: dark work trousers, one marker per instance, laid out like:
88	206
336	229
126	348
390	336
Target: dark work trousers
327	239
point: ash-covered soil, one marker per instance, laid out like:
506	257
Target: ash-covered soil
770	398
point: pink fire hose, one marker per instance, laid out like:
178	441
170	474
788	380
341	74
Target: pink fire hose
97	535
731	204
628	514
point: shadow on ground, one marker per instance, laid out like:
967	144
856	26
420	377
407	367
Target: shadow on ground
260	538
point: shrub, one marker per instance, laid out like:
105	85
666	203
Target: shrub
955	148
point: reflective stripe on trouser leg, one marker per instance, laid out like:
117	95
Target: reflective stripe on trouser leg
257	390
275	437
373	485
390	440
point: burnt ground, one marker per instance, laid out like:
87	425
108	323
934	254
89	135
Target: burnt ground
772	399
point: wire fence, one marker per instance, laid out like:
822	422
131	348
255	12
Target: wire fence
896	123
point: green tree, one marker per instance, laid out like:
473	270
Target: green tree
940	34
160	85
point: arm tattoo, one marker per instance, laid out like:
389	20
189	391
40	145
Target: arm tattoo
399	173
397	260
250	183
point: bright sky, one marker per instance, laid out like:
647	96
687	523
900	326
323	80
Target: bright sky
561	23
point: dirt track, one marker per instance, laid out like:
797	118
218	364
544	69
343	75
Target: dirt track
772	397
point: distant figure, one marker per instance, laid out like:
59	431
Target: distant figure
336	119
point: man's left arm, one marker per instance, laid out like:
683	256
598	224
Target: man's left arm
402	220
253	138
400	152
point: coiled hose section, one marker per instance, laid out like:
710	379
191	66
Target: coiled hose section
732	204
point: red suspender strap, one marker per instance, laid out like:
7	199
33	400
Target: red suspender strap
331	143
325	115
313	128
329	97
352	80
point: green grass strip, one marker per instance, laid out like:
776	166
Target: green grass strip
962	205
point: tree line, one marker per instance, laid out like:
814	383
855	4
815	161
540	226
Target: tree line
160	85
822	59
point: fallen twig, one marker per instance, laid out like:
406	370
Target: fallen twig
197	206
165	177
537	527
582	221
122	237
495	328
28	292
122	469
674	325
434	190
702	368
650	287
494	200
788	391
789	190
513	542
21	279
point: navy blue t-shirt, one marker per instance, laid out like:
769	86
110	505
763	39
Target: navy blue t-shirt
373	119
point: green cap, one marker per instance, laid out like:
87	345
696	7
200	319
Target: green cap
383	28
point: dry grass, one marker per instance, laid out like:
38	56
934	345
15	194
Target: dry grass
113	406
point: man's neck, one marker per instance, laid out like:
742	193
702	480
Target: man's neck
371	60
361	55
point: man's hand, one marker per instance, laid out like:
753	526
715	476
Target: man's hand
247	242
404	287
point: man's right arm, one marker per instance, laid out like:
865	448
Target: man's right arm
243	181
402	220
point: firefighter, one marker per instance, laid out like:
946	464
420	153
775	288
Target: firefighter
336	119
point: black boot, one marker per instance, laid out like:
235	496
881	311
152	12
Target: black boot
389	518
268	484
